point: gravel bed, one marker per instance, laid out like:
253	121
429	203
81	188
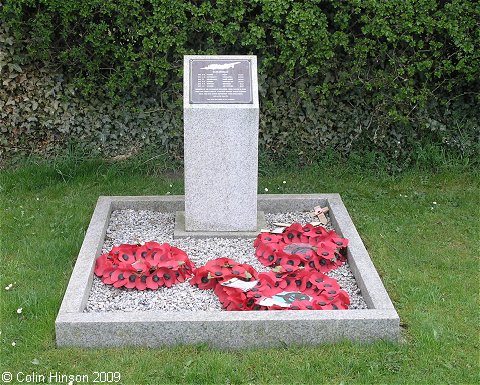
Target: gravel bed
138	226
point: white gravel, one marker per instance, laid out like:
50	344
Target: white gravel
138	226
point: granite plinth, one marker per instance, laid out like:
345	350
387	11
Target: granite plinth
221	159
224	329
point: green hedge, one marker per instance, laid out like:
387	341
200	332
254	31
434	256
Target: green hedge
387	75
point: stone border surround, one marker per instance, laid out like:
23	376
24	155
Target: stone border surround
227	329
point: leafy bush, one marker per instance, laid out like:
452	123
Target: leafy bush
351	75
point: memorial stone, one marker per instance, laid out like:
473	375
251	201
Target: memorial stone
221	112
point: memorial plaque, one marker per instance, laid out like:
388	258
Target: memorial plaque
220	81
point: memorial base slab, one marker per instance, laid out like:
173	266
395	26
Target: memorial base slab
180	232
226	329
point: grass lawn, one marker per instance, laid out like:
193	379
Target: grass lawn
421	230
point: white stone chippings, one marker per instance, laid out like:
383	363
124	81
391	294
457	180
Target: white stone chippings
139	226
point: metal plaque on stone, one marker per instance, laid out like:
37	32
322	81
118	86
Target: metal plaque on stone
220	81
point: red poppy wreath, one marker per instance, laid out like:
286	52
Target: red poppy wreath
240	287
151	265
301	290
308	247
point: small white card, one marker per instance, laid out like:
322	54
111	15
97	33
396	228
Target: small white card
278	230
281	224
239	284
284	299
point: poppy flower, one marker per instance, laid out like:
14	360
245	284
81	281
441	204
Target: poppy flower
141	253
118	278
337	241
333	302
326	251
323	282
108	270
103	263
291	262
292	233
310	231
132	277
178	254
141	282
231	299
304	305
266	254
244	272
182	274
325	265
219	270
141	266
152	245
154	281
298	282
318	232
168	276
203	279
125	253
342	300
107	279
266	238
157	253
267	278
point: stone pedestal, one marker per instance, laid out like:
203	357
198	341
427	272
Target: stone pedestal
221	146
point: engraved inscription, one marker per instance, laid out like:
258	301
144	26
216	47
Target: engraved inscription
220	81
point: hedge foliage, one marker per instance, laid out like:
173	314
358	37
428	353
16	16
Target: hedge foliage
40	112
356	74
